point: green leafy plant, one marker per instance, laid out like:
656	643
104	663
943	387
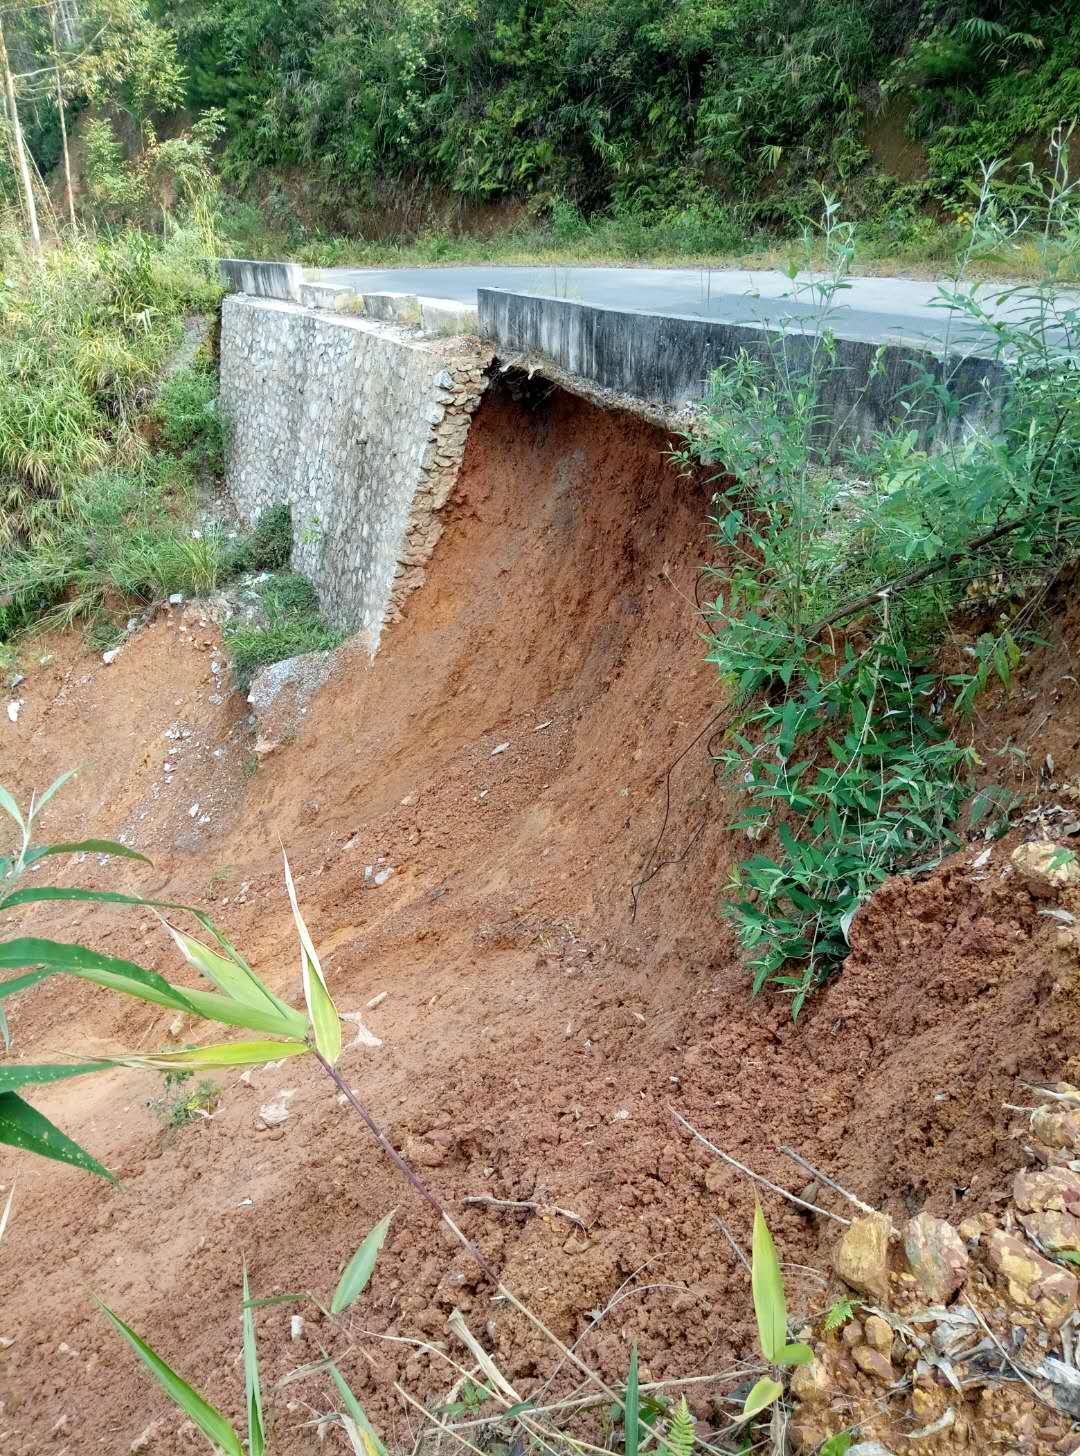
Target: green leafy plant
842	574
180	1103
770	1307
840	1314
216	1427
240	999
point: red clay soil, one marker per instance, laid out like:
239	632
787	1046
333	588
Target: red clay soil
536	1039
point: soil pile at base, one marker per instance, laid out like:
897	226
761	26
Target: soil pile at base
505	757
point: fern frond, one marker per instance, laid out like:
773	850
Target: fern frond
680	1439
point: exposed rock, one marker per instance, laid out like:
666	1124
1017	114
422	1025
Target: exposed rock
1053	1231
879	1333
1046	868
861	1258
1032	1281
936	1256
1057	1127
811	1383
424	1154
280	695
873	1362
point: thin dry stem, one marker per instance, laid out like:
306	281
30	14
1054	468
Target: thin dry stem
757	1177
829	1182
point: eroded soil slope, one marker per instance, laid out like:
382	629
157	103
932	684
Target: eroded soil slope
536	1039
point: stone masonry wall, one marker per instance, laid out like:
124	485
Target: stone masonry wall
360	429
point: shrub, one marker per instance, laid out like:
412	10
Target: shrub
269	544
838	743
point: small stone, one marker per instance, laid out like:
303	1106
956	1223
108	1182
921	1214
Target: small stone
147	1436
500	748
296	1327
380	877
108	658
936	1256
273	1114
13	709
1046	868
878	1333
861	1258
425	1155
870	1448
873	1362
176	599
811	1383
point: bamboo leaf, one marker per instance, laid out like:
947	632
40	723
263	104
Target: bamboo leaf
21	983
209	1420
203	1059
53	788
87	846
213	1007
795	1355
632	1407
252	1388
232	977
325	1022
22	1126
91	965
768	1286
373	1445
9	806
18	1074
133	980
762	1396
360	1267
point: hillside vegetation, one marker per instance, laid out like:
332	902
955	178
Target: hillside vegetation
620	129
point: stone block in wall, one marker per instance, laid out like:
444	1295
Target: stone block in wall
337	417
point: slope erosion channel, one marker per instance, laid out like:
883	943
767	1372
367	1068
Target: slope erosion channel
505	755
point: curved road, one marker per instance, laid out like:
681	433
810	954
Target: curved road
877	309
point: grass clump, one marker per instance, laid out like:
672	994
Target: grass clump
293	625
123	535
186	412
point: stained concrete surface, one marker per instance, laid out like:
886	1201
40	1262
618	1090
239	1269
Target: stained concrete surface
879	310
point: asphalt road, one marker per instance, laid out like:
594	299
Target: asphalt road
878	309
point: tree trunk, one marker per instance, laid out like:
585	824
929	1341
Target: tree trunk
20	148
63	124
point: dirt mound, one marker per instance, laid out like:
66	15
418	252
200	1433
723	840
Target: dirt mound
505	757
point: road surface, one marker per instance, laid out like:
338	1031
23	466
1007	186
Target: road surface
878	309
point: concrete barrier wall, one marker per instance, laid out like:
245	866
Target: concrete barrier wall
262	280
666	360
360	431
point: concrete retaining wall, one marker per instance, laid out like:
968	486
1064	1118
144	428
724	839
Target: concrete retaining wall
356	427
666	360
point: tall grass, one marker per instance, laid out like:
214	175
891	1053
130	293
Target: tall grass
83	338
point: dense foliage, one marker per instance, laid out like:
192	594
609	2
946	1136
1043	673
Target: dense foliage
845	577
631	104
